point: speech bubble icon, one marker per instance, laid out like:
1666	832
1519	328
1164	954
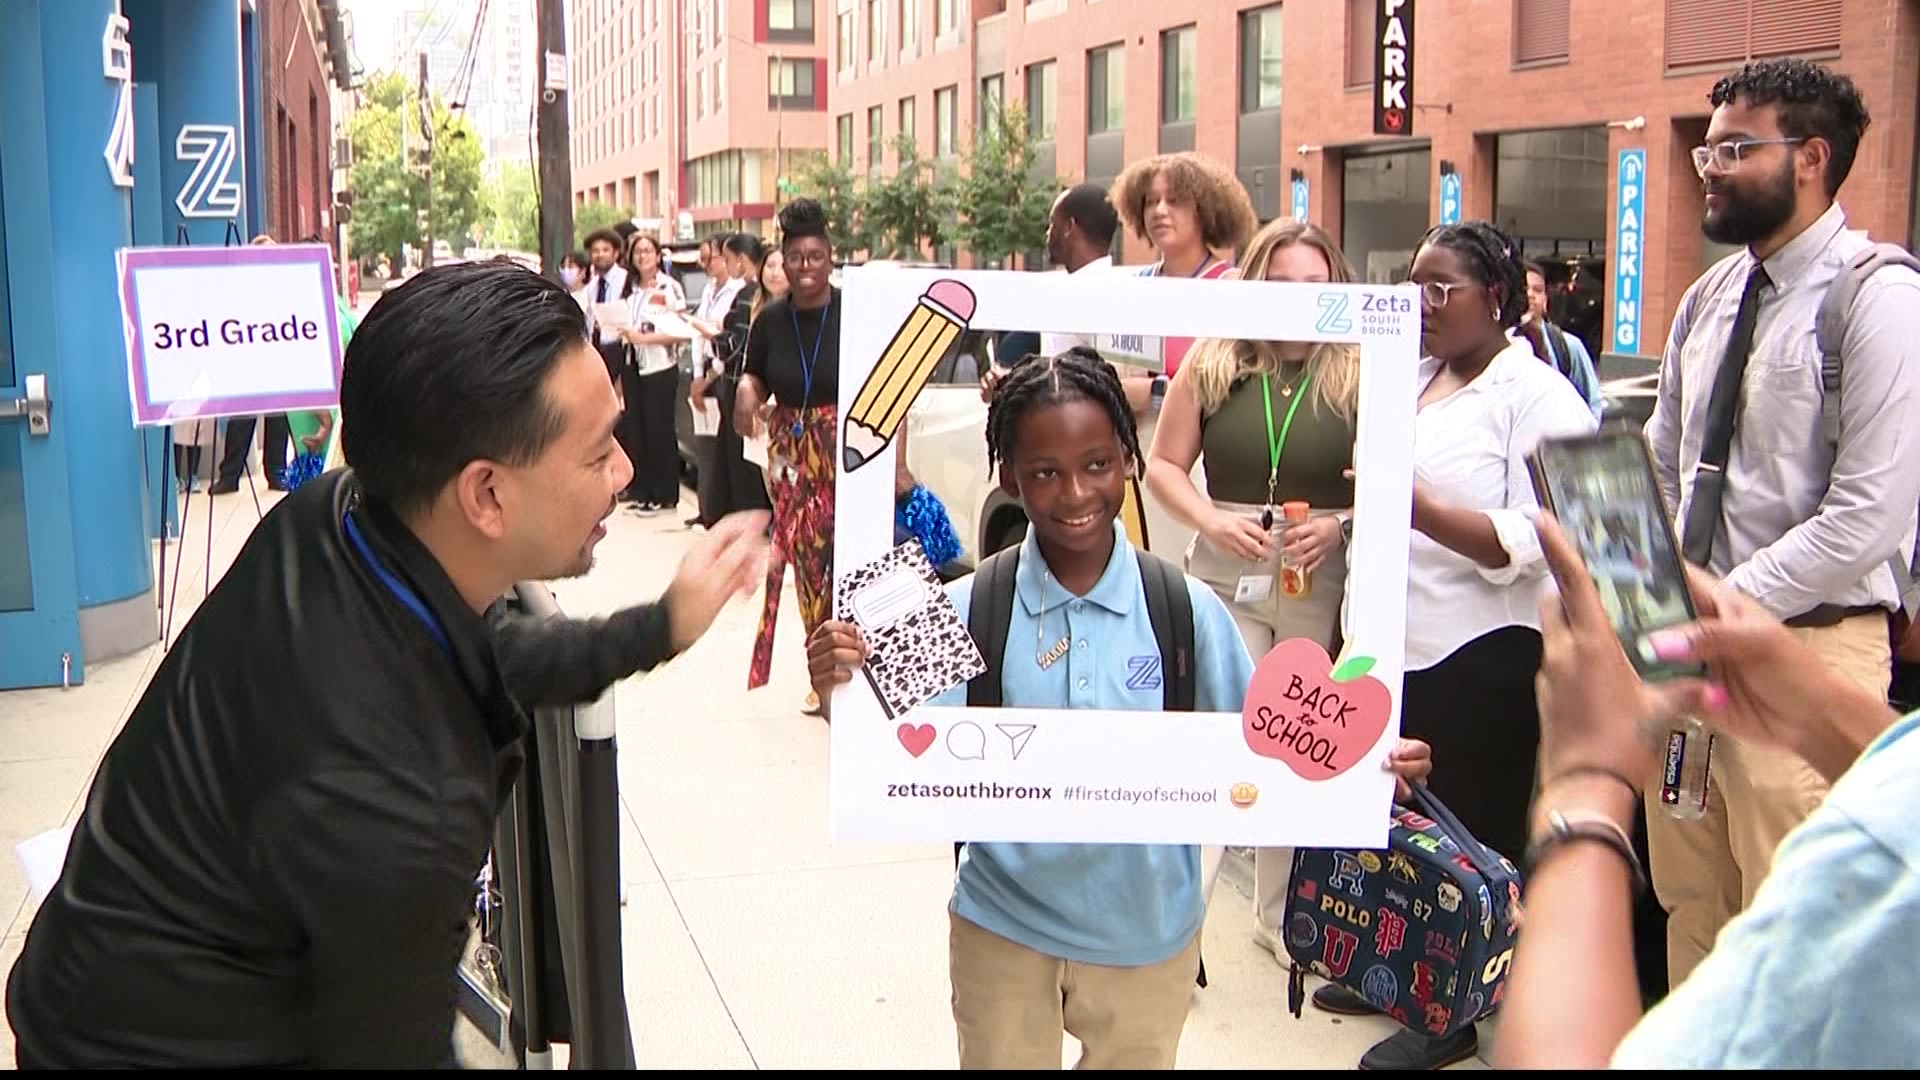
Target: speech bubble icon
966	741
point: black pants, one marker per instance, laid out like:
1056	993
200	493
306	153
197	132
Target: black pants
1476	709
273	454
647	434
729	483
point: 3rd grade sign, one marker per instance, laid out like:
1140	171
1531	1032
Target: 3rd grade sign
238	331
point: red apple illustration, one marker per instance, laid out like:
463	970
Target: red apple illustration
1317	719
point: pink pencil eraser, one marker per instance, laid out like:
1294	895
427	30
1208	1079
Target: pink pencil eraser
953	296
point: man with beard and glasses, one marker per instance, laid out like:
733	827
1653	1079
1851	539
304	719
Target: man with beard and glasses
1806	528
274	865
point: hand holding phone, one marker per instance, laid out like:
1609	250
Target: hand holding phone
1601	488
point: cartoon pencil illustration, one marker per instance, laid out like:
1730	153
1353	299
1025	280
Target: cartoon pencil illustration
905	364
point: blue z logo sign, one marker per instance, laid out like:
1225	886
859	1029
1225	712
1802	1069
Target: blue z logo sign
1143	673
210	190
1333	314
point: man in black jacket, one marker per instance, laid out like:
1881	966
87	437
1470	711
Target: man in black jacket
275	863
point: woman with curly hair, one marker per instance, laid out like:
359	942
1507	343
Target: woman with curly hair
1192	209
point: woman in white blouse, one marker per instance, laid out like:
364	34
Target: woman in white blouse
1475	573
651	379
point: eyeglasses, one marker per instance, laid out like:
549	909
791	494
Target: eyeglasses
1436	293
1727	156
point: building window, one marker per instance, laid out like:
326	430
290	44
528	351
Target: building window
906	117
946	17
1540	30
1043	95
993	92
1176	75
843	47
876	30
1106	89
1260	59
909	24
876	138
1722	32
790	20
946	116
843	143
1360	42
789	86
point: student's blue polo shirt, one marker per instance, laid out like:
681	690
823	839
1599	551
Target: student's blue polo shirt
1123	905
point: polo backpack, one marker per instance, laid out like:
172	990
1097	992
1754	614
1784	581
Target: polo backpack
1169	608
1831	332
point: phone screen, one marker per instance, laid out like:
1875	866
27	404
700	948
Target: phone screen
1601	488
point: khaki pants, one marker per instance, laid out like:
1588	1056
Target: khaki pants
1707	871
1010	1005
1264	624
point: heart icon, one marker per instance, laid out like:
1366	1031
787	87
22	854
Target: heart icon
915	739
1317	720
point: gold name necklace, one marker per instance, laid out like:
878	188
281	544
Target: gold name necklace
1046	658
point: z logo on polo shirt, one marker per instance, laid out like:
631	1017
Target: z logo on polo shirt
1143	673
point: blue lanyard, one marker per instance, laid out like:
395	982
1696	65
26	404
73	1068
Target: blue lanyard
394	585
808	364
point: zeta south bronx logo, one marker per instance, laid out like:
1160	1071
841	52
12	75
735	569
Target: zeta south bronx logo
1143	673
1333	314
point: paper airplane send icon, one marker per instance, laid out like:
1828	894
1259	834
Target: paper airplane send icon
1017	735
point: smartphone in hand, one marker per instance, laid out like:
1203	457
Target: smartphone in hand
1602	489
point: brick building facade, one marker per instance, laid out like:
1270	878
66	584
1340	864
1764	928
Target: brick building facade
296	121
1527	103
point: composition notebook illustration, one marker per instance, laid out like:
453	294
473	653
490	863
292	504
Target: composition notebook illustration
918	648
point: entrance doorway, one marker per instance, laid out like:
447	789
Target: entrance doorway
1550	192
1386	207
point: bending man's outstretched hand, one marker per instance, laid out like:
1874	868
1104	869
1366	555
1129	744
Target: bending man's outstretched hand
729	561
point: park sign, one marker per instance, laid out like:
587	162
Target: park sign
1393	67
235	331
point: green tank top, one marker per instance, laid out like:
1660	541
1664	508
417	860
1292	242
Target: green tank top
1319	445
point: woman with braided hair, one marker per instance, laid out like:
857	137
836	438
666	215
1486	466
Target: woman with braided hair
1475	568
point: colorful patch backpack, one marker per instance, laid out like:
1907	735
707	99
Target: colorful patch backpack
1423	930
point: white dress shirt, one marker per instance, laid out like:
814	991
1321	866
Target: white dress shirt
1803	522
1470	451
1052	344
616	282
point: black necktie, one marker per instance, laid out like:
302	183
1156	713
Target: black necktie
1710	480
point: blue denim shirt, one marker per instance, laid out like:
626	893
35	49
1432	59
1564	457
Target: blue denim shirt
1820	971
1123	905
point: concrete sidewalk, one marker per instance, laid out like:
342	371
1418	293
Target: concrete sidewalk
750	940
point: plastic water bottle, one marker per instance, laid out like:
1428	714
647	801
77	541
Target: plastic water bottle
1294	582
1683	780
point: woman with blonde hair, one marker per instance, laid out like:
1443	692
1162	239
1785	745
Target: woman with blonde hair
1275	421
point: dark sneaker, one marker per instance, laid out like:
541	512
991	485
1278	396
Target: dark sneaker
1412	1050
1341	1001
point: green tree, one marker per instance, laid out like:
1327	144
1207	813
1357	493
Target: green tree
1000	204
594	215
909	211
513	209
841	197
389	171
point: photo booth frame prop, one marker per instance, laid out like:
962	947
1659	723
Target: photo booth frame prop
1300	765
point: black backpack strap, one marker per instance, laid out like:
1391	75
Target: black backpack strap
989	613
1170	607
